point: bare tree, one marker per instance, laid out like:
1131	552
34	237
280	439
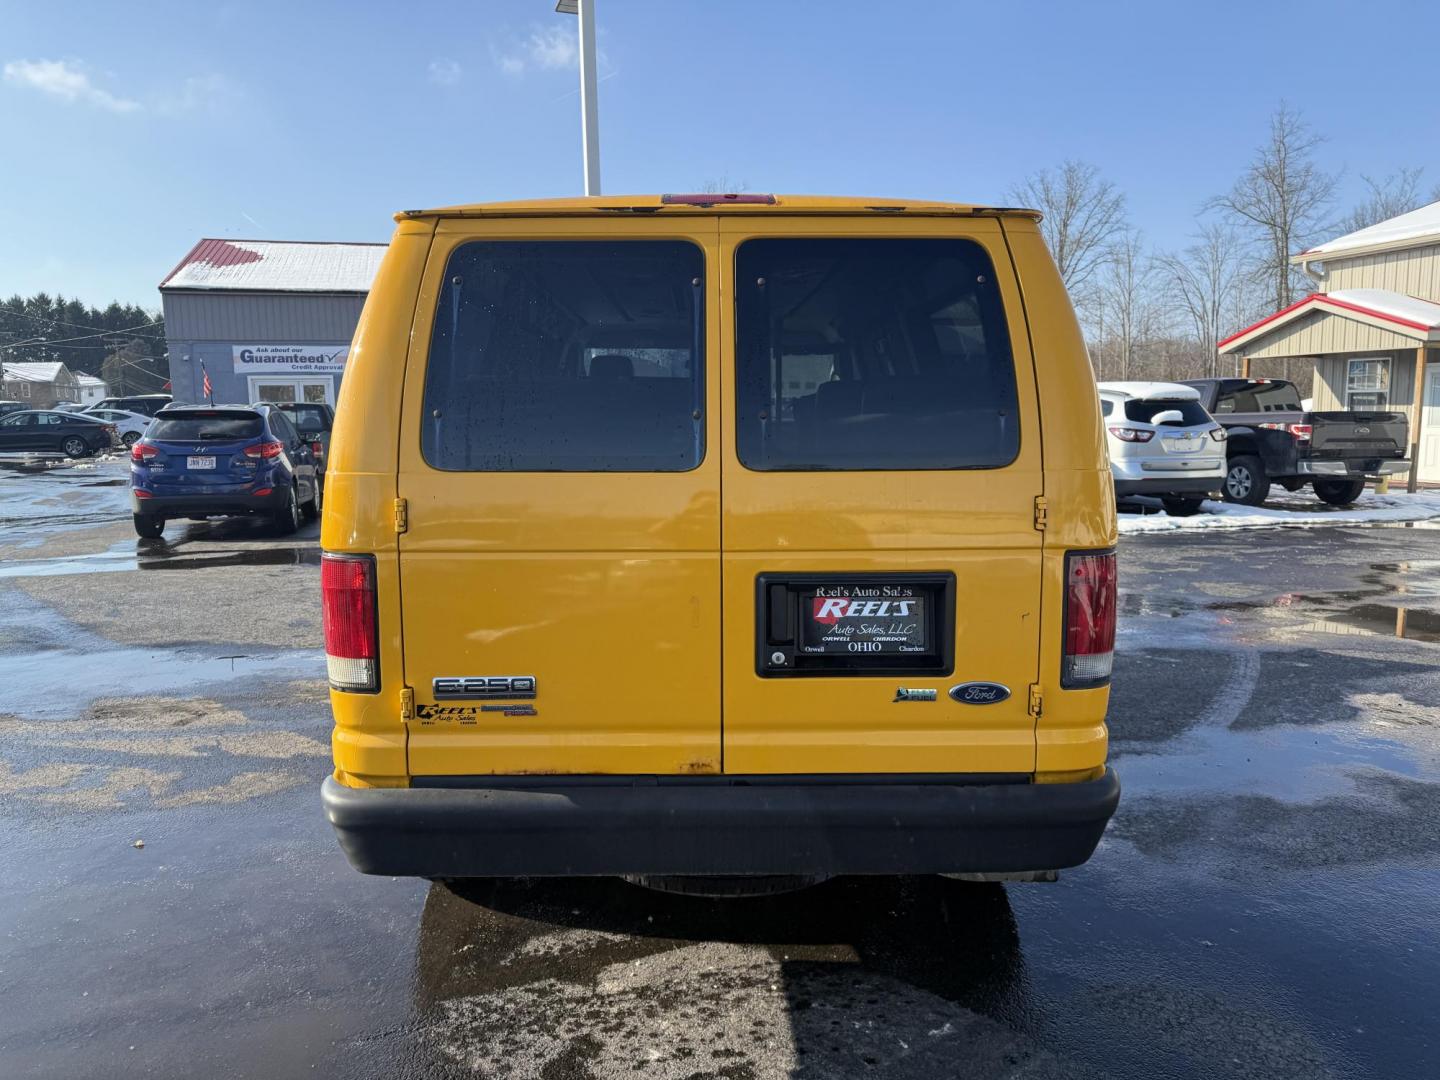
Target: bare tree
1083	215
1204	281
1396	194
1126	302
722	185
1281	200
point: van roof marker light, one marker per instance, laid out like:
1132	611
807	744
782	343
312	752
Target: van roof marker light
714	199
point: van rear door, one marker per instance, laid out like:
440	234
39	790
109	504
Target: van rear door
882	565
559	466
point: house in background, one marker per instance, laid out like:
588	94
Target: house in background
1371	327
39	385
91	389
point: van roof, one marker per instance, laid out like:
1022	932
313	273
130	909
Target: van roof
740	202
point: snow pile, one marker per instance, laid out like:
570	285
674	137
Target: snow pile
1286	510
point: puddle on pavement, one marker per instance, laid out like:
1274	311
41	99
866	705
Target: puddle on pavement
86	724
56	682
1412	624
40	498
286	555
50	667
1316	761
1378	608
125	556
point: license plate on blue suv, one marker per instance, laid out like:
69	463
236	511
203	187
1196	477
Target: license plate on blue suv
207	462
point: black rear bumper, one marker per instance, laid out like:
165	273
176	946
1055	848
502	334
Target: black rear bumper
1184	486
571	826
237	503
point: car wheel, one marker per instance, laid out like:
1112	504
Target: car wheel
1178	507
287	519
75	447
130	438
1246	482
316	503
149	526
1339	492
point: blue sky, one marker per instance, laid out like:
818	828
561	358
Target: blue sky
132	130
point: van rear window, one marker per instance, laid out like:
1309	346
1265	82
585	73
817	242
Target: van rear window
568	356
872	354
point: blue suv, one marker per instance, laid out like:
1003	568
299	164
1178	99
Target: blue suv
199	461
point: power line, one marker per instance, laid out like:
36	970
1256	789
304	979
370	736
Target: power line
82	337
144	371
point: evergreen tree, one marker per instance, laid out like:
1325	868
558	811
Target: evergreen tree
46	328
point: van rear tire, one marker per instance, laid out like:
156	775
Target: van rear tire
724	887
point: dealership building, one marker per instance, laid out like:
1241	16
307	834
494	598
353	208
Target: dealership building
265	320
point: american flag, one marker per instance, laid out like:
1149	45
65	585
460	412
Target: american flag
205	385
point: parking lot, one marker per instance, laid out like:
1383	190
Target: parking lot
174	903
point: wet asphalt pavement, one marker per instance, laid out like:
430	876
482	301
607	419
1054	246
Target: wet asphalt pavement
1264	904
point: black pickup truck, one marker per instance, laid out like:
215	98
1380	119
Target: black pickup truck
1272	438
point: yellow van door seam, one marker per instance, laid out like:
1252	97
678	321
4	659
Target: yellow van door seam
718	270
1036	689
410	347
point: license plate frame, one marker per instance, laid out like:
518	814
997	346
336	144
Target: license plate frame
788	642
200	462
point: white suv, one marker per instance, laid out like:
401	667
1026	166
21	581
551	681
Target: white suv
1163	442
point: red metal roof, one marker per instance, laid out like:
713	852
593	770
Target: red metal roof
276	266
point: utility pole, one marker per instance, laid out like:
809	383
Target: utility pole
589	94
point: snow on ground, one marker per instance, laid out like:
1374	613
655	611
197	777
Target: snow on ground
1288	510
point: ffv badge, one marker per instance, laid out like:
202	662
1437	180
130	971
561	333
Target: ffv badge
979	693
903	693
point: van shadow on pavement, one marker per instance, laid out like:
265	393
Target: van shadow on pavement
551	977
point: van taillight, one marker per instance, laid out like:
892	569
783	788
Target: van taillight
1089	619
347	588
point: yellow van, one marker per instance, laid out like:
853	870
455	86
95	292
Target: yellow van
718	536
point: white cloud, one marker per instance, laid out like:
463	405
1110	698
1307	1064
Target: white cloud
554	47
445	72
547	48
66	81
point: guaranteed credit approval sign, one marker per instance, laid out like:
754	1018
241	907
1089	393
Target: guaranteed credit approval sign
289	359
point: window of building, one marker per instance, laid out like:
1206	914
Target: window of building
1367	383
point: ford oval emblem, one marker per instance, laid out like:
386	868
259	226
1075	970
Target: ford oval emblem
979	693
